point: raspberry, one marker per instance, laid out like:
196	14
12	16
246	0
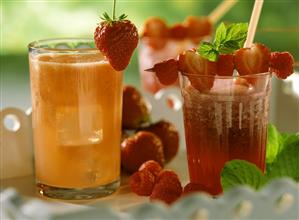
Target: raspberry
139	148
194	187
282	64
169	136
168	187
151	166
142	182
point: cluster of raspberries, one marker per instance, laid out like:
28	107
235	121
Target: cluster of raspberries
162	185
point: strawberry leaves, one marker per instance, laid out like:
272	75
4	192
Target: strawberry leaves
105	17
227	40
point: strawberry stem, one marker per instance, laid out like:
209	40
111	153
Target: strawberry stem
106	18
113	11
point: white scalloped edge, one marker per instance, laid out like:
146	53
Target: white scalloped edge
278	200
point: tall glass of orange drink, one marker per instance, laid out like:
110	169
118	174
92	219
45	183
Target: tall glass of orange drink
76	115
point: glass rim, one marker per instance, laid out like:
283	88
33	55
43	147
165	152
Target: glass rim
38	45
257	75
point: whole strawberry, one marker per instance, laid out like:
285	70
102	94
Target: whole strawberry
116	38
139	148
134	110
169	136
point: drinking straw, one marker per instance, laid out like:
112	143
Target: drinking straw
255	15
221	10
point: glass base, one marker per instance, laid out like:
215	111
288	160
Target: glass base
76	194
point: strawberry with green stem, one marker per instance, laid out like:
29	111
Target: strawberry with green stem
117	39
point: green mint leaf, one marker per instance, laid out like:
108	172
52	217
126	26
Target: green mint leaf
274	144
241	172
229	47
220	35
290	139
227	40
235	37
237	32
208	51
286	163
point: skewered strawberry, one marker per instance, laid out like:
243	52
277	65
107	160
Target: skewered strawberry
166	71
252	60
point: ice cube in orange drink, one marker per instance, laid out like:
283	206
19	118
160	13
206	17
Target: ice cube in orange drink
76	101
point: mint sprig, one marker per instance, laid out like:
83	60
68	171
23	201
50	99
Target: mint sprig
227	39
281	161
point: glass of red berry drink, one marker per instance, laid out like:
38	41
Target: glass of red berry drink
224	122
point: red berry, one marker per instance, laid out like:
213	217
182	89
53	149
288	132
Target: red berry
168	187
155	32
151	166
155	27
117	40
169	136
134	110
178	31
198	26
281	64
225	65
139	148
166	71
142	182
252	60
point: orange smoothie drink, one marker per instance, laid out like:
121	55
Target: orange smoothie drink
76	115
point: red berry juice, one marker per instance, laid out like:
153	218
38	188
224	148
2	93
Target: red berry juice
228	122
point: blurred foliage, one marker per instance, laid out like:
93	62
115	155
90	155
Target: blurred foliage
26	21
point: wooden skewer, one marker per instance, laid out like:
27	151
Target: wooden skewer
221	10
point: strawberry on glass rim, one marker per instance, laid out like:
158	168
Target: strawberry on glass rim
224	55
117	39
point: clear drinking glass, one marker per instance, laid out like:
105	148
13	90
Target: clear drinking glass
76	116
226	121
